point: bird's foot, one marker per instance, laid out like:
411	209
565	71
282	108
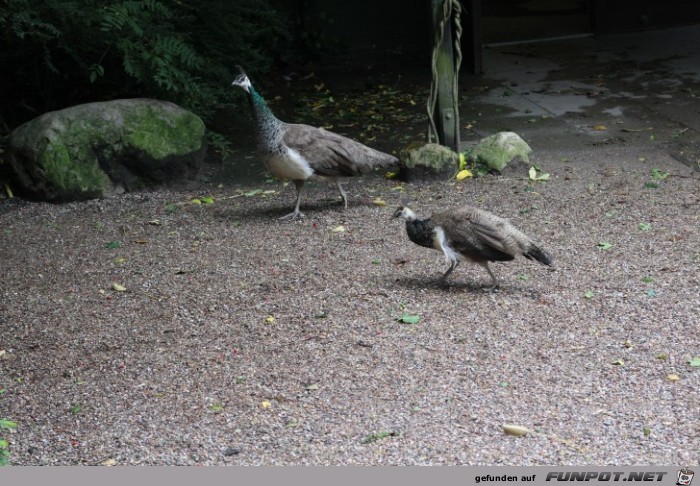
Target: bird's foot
292	216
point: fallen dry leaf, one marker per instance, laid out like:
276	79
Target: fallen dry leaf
463	174
118	288
516	430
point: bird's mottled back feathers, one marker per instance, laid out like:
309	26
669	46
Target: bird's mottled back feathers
480	234
330	154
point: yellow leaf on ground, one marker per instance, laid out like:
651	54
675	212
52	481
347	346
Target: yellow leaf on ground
379	202
266	404
463	174
338	229
390	175
270	319
118	288
673	377
516	430
600	128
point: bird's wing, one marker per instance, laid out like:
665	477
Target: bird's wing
476	233
330	154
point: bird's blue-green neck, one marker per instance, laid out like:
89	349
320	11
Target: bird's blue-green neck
262	111
268	123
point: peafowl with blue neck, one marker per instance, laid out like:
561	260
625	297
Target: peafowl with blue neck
301	152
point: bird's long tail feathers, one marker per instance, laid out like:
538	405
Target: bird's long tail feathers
534	252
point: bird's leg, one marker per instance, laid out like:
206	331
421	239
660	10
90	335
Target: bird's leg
443	280
296	213
342	192
494	285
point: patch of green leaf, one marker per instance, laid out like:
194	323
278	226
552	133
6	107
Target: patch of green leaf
651	185
172	208
113	244
409	318
588	294
694	362
604	245
659	175
536	174
644	226
4	452
374	437
7	424
651	293
647	279
376	261
75	409
646	431
216	407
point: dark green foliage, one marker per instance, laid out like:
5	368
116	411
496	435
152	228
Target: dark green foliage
57	53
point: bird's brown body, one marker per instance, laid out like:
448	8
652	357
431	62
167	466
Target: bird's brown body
472	234
301	152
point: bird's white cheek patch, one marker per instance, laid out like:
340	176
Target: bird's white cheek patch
440	243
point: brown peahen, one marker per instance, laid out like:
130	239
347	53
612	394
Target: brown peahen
472	234
302	152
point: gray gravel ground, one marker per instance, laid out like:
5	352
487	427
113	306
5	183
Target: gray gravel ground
188	366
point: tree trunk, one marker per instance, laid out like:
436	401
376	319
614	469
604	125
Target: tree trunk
445	115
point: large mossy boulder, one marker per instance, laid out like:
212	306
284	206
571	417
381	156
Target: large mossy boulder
420	160
92	150
496	151
429	155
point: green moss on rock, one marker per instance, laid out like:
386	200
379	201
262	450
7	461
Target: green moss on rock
87	150
496	151
429	155
164	136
